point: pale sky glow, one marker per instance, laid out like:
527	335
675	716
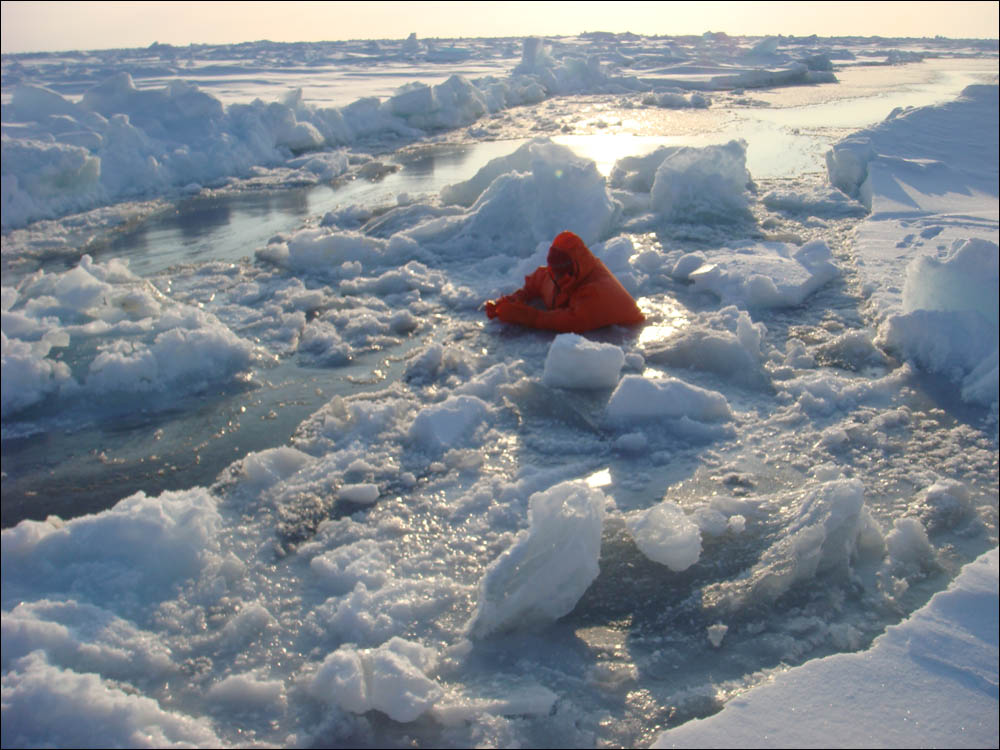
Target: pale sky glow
57	26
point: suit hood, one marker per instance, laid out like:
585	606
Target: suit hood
568	245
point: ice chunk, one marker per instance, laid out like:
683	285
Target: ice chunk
733	353
27	375
362	494
638	399
44	179
949	322
945	504
318	249
180	357
514	700
443	425
637	173
576	362
546	571
34	103
768	274
716	633
342	568
243	692
544	184
665	534
957	344
702	185
466	193
966	279
908	545
390	679
265	468
832	529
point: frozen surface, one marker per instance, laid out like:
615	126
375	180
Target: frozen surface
948	648
271	477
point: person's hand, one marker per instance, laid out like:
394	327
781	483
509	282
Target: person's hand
491	309
516	312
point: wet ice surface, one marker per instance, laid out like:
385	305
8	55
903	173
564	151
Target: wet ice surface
379	501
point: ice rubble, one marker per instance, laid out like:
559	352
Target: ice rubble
107	300
926	179
144	341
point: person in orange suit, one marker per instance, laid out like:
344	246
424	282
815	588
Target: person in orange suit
574	293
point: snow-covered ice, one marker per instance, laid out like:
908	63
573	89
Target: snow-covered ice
948	648
271	477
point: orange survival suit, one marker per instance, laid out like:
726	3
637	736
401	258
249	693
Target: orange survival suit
577	290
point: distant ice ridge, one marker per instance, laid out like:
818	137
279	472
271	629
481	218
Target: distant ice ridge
120	141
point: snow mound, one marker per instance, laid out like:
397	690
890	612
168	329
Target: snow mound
916	162
949	320
266	468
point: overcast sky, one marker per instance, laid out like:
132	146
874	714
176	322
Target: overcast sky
53	26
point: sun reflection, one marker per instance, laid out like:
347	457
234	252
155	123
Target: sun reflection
607	148
600	478
665	318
